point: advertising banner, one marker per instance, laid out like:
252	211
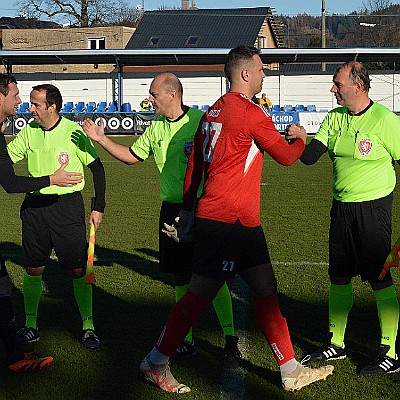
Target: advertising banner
311	121
115	124
136	123
283	119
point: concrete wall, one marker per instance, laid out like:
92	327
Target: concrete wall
205	90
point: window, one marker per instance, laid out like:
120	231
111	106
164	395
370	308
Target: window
261	42
154	41
191	40
97	43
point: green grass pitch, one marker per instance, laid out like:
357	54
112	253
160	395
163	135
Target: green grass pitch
132	299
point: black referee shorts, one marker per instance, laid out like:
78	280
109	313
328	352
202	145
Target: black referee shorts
224	249
174	257
360	238
52	221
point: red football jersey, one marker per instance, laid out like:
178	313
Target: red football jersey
228	148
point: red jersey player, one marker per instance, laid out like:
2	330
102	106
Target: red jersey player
228	148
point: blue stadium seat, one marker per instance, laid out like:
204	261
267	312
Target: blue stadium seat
299	108
276	108
69	104
312	108
287	107
66	109
126	107
204	107
112	108
79	107
23	108
195	106
101	107
91	103
89	109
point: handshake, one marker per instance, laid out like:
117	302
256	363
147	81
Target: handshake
182	229
293	132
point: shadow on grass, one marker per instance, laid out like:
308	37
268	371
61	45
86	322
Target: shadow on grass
129	321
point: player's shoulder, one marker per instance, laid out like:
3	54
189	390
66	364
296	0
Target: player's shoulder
31	126
69	124
29	129
195	112
254	112
379	112
378	108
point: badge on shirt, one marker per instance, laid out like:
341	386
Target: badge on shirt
187	149
364	146
63	158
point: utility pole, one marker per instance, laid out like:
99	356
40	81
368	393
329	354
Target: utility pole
323	32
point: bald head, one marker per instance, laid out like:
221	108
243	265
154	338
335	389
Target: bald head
166	95
169	82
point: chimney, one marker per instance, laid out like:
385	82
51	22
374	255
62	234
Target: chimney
185	4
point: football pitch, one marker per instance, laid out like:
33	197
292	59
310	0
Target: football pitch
132	299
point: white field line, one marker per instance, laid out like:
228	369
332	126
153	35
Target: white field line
122	260
319	184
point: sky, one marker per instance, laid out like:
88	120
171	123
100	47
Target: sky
286	7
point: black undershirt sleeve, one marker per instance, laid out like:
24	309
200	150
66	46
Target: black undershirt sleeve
13	183
99	182
313	152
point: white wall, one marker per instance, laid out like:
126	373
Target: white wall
281	89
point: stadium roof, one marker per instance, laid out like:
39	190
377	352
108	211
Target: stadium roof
205	28
143	57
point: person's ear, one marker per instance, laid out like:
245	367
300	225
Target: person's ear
245	74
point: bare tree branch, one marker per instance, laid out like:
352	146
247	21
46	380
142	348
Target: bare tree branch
80	12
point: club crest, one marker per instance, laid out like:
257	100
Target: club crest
364	146
187	149
63	158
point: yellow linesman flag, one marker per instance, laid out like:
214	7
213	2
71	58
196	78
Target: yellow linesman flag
90	276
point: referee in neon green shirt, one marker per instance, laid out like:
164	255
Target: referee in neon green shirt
54	217
169	140
362	139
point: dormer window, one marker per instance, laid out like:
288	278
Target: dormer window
97	43
191	41
154	41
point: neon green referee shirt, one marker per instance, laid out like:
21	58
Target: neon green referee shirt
170	141
46	151
362	148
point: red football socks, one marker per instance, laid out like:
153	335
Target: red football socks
181	318
274	327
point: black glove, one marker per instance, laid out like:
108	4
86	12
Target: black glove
182	229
